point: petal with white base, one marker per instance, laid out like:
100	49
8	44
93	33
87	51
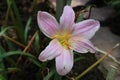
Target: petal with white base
53	50
67	18
64	62
81	45
47	23
86	28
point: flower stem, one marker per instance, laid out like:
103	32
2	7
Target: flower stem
96	63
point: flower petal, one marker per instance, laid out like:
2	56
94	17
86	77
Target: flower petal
47	23
86	28
81	45
51	51
64	62
67	18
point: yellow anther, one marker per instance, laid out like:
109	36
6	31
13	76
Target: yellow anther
63	39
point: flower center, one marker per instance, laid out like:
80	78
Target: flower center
63	39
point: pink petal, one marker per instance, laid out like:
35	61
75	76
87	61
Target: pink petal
47	23
64	62
81	45
86	28
51	51
67	18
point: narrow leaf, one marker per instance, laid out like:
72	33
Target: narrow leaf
36	43
27	28
69	2
111	73
80	17
8	70
5	29
19	25
36	62
15	53
59	7
2	66
79	58
57	77
50	74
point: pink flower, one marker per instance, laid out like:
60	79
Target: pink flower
66	37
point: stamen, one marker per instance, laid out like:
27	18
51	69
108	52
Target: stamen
63	39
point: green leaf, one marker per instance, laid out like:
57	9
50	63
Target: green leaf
27	28
16	53
111	73
80	17
19	26
57	77
11	46
50	74
59	8
4	30
35	7
2	66
36	62
69	2
8	70
79	58
116	4
36	43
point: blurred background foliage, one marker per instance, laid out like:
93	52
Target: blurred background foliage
115	4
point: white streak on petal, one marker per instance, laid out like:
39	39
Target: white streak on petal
47	23
53	50
86	28
67	18
64	62
82	45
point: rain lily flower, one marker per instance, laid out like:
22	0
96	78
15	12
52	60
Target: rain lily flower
66	37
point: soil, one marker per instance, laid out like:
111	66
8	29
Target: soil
87	60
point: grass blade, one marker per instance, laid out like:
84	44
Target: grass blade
57	77
8	70
4	30
15	53
111	73
80	17
19	25
36	43
37	63
69	2
50	74
59	8
27	28
2	66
